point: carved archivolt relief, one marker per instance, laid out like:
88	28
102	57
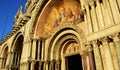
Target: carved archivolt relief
73	47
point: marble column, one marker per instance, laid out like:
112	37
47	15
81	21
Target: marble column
58	65
97	56
93	16
118	3
114	10
43	49
116	42
113	53
91	57
53	64
33	55
103	56
100	15
13	58
38	56
89	21
84	63
108	58
40	65
18	58
47	65
34	48
0	62
108	14
33	65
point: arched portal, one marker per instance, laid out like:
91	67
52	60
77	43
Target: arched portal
57	21
4	56
66	46
17	51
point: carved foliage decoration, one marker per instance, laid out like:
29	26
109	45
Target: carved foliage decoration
73	47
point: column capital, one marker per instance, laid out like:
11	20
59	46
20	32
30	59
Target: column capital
105	40
47	61
91	3
40	62
58	61
35	39
97	1
86	5
10	52
88	46
116	37
53	61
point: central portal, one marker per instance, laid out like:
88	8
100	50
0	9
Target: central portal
74	62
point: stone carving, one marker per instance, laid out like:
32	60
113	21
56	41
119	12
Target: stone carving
19	13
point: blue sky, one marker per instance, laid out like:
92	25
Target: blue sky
8	9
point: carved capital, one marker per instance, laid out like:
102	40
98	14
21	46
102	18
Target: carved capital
47	62
91	3
105	40
58	61
116	37
88	46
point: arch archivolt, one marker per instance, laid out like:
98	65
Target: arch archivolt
15	40
4	50
64	36
62	44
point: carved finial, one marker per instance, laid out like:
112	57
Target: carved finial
18	13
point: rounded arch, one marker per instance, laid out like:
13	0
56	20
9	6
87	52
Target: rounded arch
18	38
41	22
16	50
4	51
65	33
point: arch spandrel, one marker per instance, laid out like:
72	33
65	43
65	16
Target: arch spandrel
55	14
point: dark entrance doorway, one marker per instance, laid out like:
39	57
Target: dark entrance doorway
74	62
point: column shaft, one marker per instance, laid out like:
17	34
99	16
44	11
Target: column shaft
40	65
19	57
100	15
38	56
53	65
103	57
93	16
108	13
91	57
33	65
115	11
58	64
89	22
0	62
84	63
116	43
118	3
113	54
108	57
91	60
43	49
34	48
98	60
15	58
47	65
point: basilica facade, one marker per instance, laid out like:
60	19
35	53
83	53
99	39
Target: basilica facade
64	35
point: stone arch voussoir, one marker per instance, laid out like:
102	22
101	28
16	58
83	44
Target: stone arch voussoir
67	26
